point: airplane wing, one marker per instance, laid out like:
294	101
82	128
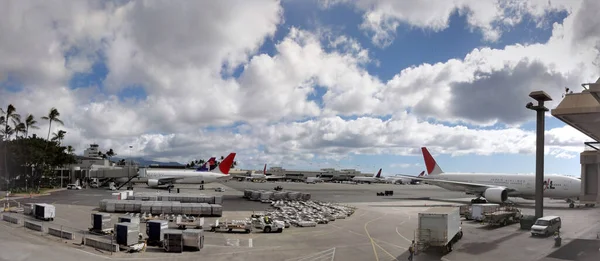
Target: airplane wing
467	186
168	180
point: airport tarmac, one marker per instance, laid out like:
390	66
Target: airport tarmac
381	228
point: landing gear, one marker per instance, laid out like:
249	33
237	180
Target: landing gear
572	205
478	200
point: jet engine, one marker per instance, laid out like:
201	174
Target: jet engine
153	183
496	195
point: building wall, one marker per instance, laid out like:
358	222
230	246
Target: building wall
590	176
324	173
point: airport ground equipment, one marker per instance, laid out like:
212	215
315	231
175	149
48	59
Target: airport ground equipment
267	225
189	221
128	219
178	197
193	239
173	240
478	211
278	188
438	227
527	221
465	211
44	211
101	223
161	207
127	234
267	196
307	213
232	225
154	230
503	216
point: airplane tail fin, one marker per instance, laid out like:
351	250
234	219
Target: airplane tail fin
207	166
265	170
226	164
432	167
378	174
421	174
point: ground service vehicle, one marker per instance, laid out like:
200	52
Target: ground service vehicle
268	226
478	211
231	226
439	227
546	226
503	216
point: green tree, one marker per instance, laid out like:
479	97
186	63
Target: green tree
59	136
52	117
30	122
110	153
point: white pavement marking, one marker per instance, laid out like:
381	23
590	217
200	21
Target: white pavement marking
250	242
398	232
328	254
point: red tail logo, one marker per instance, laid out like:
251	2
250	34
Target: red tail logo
429	161
265	170
226	164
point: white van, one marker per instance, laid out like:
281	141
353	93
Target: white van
546	226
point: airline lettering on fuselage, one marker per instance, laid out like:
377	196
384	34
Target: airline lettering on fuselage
548	185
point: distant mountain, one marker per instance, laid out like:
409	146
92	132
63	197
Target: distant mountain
144	162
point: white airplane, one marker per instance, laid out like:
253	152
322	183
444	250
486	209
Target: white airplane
161	177
399	179
496	187
369	180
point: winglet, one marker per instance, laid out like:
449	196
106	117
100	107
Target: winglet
226	164
432	167
378	174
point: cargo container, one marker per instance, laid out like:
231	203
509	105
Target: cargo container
439	227
173	240
128	219
193	239
101	222
127	234
478	211
155	229
44	211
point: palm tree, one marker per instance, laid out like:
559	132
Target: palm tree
59	136
110	153
70	150
19	127
52	117
30	122
9	114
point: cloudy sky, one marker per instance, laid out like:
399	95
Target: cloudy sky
304	83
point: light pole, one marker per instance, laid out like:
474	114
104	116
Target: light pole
540	97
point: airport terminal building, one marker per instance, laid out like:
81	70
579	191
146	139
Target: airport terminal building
326	173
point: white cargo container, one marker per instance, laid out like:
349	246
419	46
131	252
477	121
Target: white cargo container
439	227
478	211
45	211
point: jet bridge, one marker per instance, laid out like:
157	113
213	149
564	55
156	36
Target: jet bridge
582	112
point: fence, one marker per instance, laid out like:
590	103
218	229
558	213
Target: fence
61	232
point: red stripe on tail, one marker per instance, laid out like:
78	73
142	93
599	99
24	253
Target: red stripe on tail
429	161
226	164
378	174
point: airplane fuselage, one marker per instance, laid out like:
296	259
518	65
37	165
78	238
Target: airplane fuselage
187	176
555	186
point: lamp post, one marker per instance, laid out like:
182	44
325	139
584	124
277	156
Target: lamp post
540	97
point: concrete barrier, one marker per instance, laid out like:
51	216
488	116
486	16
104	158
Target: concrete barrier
10	219
101	244
33	226
60	233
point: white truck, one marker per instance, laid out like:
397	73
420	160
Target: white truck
478	211
439	227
